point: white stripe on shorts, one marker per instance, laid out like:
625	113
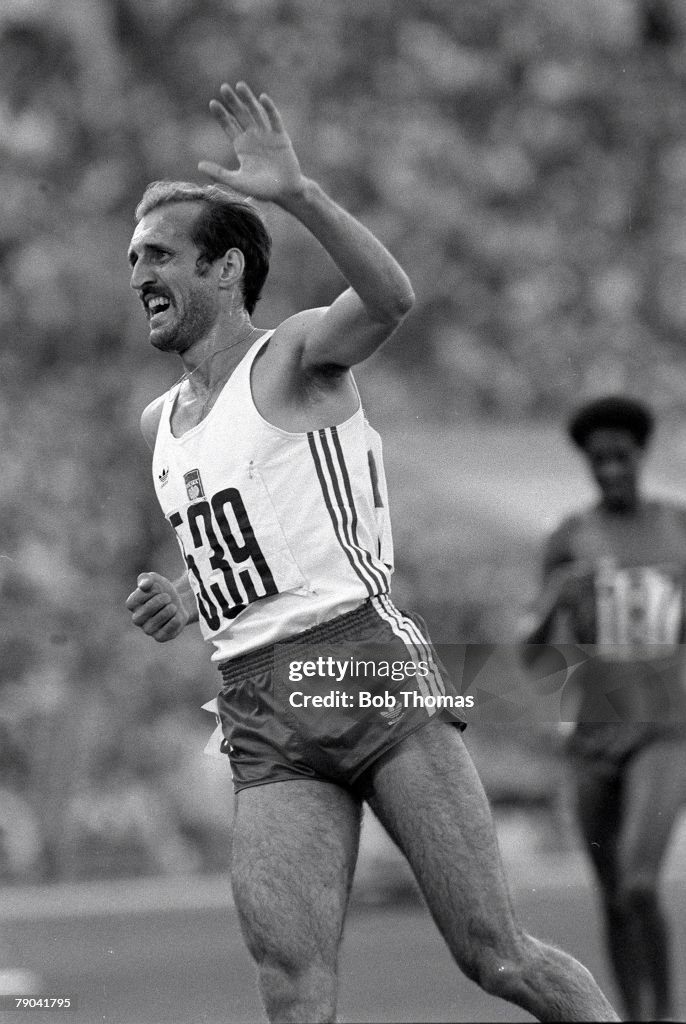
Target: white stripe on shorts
407	630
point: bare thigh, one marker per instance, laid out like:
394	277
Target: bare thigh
654	797
428	795
293	857
599	811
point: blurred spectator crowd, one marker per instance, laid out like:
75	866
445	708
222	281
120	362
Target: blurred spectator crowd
526	162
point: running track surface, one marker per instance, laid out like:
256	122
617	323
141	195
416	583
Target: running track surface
171	953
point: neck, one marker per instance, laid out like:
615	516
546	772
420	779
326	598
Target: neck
214	357
629	507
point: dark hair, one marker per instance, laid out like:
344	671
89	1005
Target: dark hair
616	412
223	223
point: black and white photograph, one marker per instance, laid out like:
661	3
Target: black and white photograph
342	511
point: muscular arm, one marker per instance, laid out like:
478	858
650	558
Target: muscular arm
558	559
158	606
558	555
379	293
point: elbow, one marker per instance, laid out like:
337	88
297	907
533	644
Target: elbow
402	304
406	302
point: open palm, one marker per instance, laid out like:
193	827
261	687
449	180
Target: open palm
268	167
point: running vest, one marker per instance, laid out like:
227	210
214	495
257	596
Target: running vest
637	596
629	614
279	531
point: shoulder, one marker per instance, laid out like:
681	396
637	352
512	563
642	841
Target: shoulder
667	507
560	546
670	506
569	526
150	420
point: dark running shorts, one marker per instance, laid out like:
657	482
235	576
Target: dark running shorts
605	748
327	703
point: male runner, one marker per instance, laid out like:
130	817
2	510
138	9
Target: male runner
271	477
614	579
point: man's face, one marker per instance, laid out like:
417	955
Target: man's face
181	304
615	460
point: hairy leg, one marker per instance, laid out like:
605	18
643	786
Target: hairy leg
599	802
427	794
655	793
293	857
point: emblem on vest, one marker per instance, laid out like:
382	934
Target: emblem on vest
163	477
392	715
194	488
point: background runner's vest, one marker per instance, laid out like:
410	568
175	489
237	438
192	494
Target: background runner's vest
635	599
630	612
279	531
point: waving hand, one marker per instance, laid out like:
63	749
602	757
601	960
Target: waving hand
268	167
379	293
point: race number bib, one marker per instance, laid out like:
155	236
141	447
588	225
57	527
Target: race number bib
228	568
637	608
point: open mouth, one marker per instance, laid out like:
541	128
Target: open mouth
155	306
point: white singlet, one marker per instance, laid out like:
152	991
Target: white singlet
279	531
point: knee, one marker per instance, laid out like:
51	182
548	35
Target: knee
640	894
497	966
297	992
501	976
636	890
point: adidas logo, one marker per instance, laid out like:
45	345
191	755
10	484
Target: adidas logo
393	714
